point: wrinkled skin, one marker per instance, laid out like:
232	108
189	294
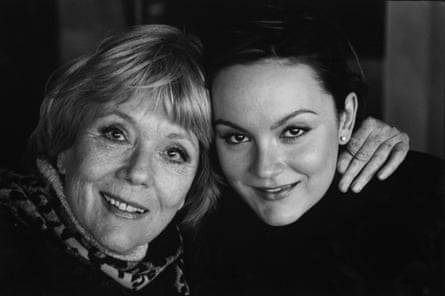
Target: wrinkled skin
375	148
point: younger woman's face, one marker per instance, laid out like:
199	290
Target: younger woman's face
276	137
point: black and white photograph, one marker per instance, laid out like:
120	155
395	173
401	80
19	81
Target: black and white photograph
193	147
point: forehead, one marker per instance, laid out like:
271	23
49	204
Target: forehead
134	105
267	87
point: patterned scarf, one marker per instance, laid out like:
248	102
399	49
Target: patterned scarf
41	202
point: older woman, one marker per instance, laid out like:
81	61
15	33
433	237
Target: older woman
120	148
285	101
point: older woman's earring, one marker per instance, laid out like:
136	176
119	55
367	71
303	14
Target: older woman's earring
60	167
343	139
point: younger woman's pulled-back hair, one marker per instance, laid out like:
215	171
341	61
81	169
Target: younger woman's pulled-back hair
313	42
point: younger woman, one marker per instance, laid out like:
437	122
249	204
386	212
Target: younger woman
285	102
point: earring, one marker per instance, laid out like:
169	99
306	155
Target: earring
60	167
343	139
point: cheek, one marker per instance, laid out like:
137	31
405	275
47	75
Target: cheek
85	168
91	161
92	164
172	186
318	159
81	199
232	163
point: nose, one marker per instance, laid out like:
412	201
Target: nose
266	162
138	168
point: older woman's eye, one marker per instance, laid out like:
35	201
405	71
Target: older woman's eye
176	154
293	132
235	139
113	133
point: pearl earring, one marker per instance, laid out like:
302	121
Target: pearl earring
342	139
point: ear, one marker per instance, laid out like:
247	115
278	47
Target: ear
347	118
61	163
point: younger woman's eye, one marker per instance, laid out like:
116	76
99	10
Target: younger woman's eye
293	132
176	154
235	139
114	134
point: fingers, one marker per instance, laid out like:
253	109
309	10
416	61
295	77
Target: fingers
359	151
376	146
398	154
357	141
355	166
344	159
390	154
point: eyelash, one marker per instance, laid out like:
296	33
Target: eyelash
109	133
178	151
301	132
229	138
112	133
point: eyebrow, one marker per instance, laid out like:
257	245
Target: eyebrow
120	114
228	123
171	136
292	115
274	126
183	136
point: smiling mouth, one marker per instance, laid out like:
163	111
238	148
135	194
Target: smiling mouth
118	204
275	193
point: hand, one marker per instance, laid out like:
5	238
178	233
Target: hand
375	146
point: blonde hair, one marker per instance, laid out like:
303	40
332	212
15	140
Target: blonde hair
159	62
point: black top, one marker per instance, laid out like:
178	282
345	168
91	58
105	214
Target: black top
387	240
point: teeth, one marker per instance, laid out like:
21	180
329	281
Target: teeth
278	189
123	206
273	190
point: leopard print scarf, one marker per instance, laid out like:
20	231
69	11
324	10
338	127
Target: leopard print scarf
40	201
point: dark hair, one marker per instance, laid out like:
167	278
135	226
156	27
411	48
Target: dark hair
313	42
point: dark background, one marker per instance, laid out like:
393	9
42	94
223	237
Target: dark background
37	37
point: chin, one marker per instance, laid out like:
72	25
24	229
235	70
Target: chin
272	218
122	246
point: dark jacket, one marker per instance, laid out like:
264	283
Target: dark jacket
387	240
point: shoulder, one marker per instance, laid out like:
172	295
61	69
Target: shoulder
393	231
413	194
424	167
24	179
13	190
420	177
16	251
18	185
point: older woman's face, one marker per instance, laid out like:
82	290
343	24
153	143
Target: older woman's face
276	137
128	174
